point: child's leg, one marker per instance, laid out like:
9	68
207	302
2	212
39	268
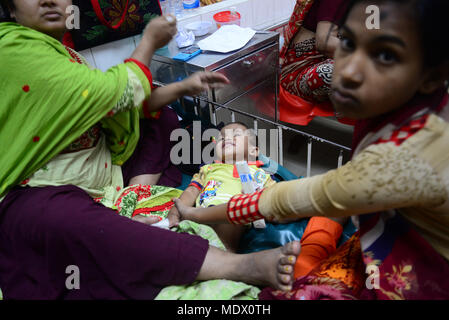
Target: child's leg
230	235
318	242
216	217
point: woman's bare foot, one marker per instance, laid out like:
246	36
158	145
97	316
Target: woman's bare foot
275	268
272	268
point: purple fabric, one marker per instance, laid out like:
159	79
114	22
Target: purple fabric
152	154
45	230
324	10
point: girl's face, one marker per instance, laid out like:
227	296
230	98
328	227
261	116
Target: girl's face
47	16
377	71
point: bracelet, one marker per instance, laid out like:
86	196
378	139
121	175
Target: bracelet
244	208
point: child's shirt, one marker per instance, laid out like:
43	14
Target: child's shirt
218	182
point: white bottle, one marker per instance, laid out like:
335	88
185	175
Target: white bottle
248	186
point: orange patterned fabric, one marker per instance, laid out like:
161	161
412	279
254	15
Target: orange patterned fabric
345	265
340	277
317	243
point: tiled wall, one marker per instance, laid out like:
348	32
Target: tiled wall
257	14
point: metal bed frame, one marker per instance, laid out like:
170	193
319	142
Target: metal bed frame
214	107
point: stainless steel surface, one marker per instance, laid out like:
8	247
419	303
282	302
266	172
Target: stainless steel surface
248	72
255	65
212	60
260	100
252	96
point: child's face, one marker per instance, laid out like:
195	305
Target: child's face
234	144
377	71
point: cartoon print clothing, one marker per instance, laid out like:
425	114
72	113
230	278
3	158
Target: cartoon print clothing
218	182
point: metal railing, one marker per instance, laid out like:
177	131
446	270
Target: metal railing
214	107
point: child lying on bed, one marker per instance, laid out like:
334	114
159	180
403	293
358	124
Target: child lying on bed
216	183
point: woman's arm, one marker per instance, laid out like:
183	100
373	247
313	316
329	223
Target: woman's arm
326	38
194	85
157	34
138	88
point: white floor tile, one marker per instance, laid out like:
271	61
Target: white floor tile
89	57
113	53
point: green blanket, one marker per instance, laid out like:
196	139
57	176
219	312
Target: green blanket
211	289
157	202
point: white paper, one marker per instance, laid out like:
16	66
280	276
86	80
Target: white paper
185	38
226	39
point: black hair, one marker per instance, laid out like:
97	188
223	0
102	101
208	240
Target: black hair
5	6
432	22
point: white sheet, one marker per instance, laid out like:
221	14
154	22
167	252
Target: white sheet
226	39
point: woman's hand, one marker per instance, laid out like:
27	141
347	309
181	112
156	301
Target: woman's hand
160	31
203	81
157	34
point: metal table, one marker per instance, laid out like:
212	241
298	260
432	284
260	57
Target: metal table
252	71
251	97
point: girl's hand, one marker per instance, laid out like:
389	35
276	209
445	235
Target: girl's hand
203	81
160	31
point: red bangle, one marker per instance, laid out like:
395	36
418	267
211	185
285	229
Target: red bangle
244	208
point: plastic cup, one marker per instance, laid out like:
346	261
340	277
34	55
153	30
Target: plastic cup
227	17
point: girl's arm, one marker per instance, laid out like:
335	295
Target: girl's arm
382	177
